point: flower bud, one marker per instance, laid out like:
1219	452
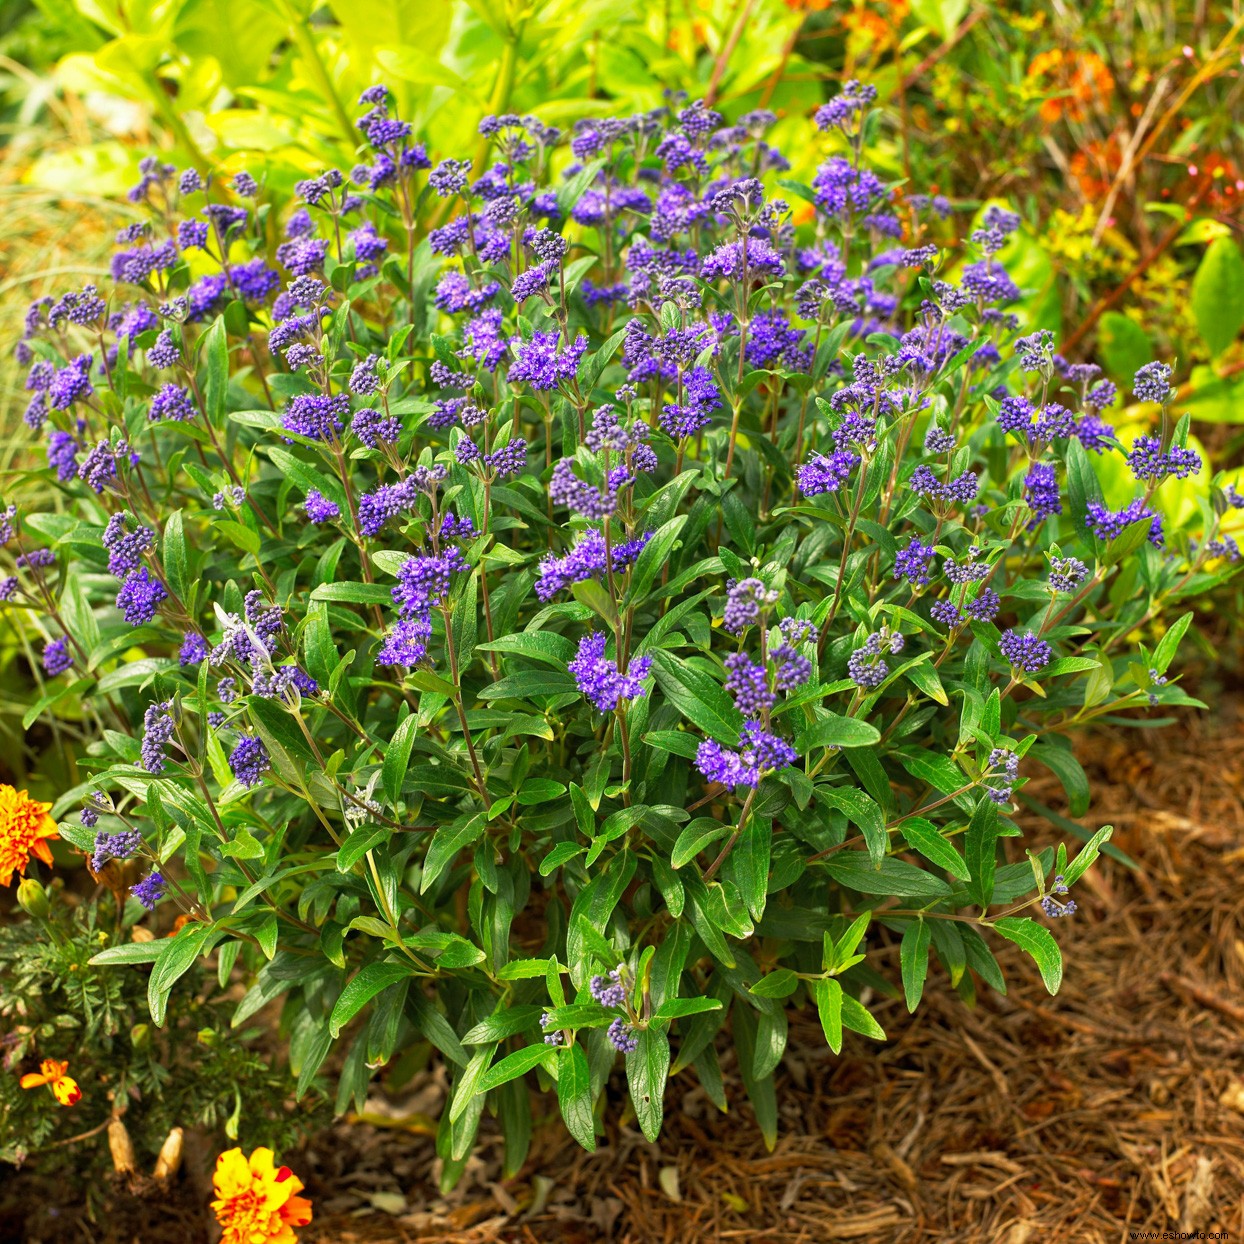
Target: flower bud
33	898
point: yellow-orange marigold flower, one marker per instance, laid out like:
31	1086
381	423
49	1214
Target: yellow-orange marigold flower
52	1073
258	1203
24	828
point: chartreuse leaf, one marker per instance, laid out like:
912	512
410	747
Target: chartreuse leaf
1218	294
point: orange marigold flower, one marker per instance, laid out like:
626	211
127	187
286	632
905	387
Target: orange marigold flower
52	1073
257	1202
24	827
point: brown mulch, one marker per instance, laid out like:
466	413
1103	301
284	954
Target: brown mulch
1117	1106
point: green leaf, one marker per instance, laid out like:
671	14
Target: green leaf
552	649
647	1067
914	957
1168	645
307	477
528	683
828	993
679	1008
176	956
216	370
243	846
1218	294
516	1064
862	812
653	559
574	1095
699	698
468	1085
129	952
923	836
358	844
176	560
537	791
354	593
980	847
858	1018
397	758
446	843
1087	856
1063	764
856	871
362	988
505	1023
834	730
1039	942
1082	483
777	984
1123	346
562	852
694	837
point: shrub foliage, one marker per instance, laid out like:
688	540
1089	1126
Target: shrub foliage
583	606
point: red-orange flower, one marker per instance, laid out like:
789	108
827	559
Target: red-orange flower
1074	81
877	24
24	828
257	1203
52	1073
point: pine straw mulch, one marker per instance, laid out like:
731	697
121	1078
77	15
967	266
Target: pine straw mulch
1117	1106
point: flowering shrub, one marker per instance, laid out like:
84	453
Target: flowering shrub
563	609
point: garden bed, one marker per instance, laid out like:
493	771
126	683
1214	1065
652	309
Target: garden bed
1115	1106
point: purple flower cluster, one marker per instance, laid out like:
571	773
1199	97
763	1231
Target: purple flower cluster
111	846
1025	651
600	679
249	760
747	601
588	559
150	890
158	729
824	473
1106	524
423	584
759	753
1149	460
867	666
